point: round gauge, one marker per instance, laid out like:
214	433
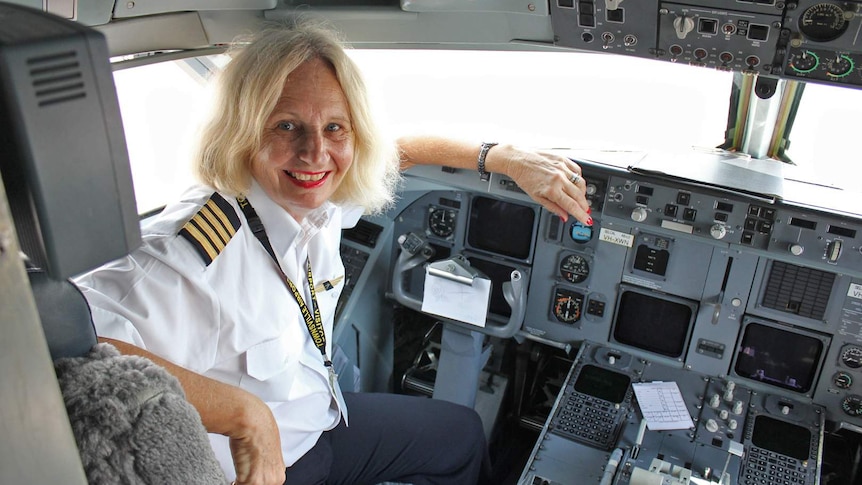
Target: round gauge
441	221
851	356
823	22
574	268
804	62
842	380
840	66
580	233
567	305
852	405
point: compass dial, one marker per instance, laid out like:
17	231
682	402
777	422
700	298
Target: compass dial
568	305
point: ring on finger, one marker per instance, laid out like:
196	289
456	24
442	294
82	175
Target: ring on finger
575	178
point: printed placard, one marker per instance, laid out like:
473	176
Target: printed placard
616	237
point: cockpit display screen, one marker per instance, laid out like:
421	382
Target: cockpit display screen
501	227
653	322
602	384
781	437
778	357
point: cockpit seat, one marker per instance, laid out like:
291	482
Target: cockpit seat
130	418
65	315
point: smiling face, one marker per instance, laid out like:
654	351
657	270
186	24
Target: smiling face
307	141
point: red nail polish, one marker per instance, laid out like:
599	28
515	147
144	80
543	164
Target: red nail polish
589	210
590	221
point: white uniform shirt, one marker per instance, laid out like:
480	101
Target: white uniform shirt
233	319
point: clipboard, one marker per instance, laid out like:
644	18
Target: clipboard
457	291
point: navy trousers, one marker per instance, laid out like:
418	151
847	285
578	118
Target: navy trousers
397	438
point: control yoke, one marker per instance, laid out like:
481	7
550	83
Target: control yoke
415	250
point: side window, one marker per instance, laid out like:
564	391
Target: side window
162	105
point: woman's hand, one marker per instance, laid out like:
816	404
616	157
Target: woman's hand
255	443
550	179
256	447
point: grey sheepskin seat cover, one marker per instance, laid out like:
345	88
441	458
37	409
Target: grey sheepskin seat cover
132	422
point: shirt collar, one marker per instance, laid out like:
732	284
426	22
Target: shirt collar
281	228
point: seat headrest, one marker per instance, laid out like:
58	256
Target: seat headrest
65	315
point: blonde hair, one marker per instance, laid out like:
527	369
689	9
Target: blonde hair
248	91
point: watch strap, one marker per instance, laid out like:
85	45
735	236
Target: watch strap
483	152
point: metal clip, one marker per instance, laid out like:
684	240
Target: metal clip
456	268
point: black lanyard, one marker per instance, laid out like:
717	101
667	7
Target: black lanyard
313	322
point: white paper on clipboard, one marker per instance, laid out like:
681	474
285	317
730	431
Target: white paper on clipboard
662	405
457	301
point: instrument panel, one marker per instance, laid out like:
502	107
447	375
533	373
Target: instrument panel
812	40
704	284
738	435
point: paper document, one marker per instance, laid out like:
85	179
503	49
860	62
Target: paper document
662	405
457	301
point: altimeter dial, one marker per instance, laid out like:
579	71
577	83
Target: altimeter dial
574	268
823	22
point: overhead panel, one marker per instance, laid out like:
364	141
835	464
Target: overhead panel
824	42
808	40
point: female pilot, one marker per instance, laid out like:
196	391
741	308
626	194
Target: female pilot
228	290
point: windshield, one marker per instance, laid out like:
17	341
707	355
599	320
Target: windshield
821	138
534	99
549	99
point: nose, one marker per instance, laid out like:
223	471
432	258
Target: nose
312	149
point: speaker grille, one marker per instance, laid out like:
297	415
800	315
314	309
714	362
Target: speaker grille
364	233
798	290
56	78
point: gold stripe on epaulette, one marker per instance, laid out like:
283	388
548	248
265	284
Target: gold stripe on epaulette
204	225
201	242
217	223
211	228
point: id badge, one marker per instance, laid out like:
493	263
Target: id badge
336	392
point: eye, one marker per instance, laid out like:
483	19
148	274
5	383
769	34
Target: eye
333	127
286	126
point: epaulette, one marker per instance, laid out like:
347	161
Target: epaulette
211	228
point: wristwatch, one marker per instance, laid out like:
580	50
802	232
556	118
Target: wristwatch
483	152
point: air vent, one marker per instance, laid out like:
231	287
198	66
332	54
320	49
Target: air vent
364	233
798	290
56	78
